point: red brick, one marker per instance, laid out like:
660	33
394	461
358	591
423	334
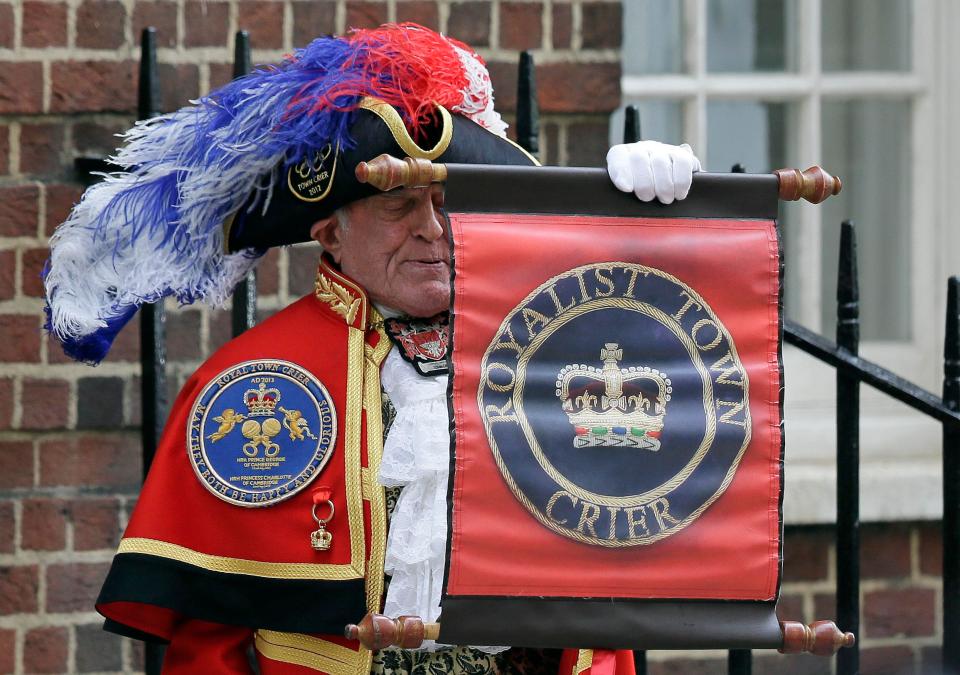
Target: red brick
46	404
221	328
264	21
302	269
33	261
61	198
8	640
790	607
311	19
98	650
550	148
179	83
899	612
6	26
19	211
884	551
521	25
18	589
41	148
887	661
8	271
824	606
21	87
562	26
44	24
100	24
159	15
16	464
423	12
470	22
805	554
183	335
601	25
4	149
578	87
6	403
268	277
108	460
93	86
73	587
45	650
44	525
362	14
220	74
587	143
21	338
6	531
97	138
206	24
96	524
126	346
931	549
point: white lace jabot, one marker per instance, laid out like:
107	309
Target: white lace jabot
416	456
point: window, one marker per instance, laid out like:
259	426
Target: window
862	88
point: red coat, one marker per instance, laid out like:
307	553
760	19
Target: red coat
209	576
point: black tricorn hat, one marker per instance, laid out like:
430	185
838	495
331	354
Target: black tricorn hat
317	186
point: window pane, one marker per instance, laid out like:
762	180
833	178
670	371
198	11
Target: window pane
751	35
866	35
659	121
652	37
867	143
750	133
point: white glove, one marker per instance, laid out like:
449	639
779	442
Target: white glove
650	169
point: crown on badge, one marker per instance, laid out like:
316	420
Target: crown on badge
613	406
261	401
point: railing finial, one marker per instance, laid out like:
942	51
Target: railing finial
148	90
528	111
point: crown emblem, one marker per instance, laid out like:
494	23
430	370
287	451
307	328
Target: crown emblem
261	401
613	406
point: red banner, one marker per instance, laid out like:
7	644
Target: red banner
617	407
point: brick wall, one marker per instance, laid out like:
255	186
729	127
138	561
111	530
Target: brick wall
900	601
69	444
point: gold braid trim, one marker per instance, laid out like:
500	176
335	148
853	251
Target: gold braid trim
256	568
351	441
338	297
312	652
584	661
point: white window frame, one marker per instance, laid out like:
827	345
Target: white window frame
900	449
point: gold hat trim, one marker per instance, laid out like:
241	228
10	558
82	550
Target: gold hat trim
392	119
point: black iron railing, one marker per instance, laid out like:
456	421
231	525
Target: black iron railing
851	369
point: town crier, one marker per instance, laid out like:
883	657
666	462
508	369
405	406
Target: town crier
301	479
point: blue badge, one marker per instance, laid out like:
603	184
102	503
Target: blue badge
615	404
260	432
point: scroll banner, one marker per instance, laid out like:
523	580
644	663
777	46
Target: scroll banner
616	415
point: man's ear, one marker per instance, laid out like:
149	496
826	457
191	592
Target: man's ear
328	233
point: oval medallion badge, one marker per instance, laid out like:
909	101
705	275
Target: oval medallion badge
260	431
615	404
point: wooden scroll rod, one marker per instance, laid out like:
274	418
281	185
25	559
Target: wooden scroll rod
377	631
387	173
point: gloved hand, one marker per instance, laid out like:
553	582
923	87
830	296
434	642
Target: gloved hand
651	169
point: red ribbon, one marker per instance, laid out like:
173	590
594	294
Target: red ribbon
321	495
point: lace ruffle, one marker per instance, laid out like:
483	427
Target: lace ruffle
416	456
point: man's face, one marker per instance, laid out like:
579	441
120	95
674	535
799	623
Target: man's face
395	246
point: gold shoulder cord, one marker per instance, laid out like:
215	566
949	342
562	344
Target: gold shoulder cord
315	652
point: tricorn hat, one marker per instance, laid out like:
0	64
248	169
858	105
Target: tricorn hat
204	191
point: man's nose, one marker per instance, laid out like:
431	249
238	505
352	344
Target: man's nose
428	222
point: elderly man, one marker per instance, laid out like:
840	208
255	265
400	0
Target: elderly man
263	522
